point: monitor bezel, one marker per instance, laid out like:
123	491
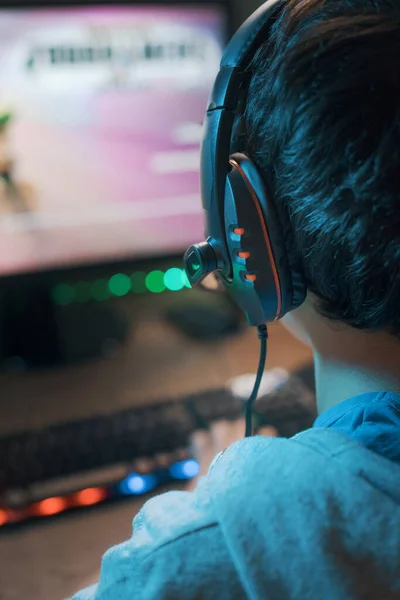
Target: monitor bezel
96	268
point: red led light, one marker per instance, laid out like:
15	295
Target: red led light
50	506
90	496
3	517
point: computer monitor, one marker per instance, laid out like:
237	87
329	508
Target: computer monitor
101	111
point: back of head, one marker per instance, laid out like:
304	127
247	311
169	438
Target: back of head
323	125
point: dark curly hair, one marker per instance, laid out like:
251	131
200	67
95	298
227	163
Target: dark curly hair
323	125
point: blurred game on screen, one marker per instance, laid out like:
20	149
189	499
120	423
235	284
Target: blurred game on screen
101	113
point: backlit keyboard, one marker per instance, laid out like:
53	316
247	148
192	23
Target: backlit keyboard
86	462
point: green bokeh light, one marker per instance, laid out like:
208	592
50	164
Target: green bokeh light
155	282
185	280
99	290
82	292
63	294
173	280
120	285
138	281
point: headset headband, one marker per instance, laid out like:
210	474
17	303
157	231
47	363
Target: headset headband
222	106
247	240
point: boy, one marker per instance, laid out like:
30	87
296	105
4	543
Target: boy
316	516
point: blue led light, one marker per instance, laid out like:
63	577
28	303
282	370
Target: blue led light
186	469
135	484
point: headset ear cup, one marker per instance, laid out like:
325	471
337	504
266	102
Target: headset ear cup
251	195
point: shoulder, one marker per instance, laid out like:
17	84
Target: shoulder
250	465
182	541
269	453
259	465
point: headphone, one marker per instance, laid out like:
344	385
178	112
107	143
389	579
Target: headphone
247	238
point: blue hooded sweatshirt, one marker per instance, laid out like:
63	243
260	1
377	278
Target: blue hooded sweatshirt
314	517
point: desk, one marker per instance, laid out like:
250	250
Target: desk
49	561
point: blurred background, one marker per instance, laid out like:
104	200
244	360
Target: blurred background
108	360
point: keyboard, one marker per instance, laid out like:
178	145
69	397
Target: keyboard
106	450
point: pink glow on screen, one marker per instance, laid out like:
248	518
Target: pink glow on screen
100	127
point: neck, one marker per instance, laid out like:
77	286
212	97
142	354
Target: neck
370	363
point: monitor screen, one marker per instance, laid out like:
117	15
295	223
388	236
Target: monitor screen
101	111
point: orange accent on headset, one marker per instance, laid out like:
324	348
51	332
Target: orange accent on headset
244	255
251	277
265	232
238	231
